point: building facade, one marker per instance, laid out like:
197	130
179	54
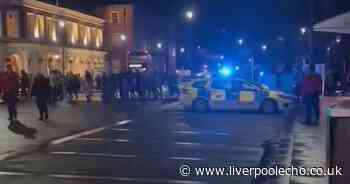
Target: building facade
40	37
119	34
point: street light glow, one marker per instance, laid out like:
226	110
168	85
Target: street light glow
338	40
159	45
240	41
61	23
123	37
303	30
182	50
222	57
189	14
264	47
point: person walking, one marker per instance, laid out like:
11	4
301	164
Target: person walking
311	89
24	83
89	85
41	92
9	89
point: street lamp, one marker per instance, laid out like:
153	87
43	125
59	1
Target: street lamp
338	40
222	57
303	30
264	47
182	50
61	23
189	15
240	41
123	37
159	45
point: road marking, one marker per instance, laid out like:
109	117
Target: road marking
77	177
187	158
123	129
85	133
186	132
5	173
90	139
197	133
94	154
187	143
122	122
141	180
122	140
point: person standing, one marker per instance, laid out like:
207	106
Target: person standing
89	85
41	92
311	89
9	88
24	84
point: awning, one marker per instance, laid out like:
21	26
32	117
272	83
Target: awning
338	24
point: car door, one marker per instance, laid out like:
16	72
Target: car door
219	89
248	96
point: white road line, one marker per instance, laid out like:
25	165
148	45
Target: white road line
187	158
122	122
197	133
82	134
90	139
94	154
141	180
123	129
123	179
122	141
186	132
5	173
187	143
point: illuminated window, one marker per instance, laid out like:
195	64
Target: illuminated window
74	33
12	24
99	38
51	25
116	17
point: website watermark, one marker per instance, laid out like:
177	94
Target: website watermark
232	170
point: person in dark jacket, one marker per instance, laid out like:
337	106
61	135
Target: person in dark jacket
310	91
41	91
24	84
9	89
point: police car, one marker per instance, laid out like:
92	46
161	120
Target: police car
232	94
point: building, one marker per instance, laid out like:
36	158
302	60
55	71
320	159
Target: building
40	37
119	34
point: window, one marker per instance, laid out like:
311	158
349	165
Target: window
116	17
12	24
51	29
221	84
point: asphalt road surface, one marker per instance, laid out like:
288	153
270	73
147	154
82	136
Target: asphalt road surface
153	146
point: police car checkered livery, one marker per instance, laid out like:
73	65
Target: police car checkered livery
231	94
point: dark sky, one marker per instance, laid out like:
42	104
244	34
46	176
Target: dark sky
253	19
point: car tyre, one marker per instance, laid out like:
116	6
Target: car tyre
200	106
269	107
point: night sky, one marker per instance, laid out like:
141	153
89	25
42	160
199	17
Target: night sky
257	20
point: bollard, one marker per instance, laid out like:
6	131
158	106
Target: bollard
339	141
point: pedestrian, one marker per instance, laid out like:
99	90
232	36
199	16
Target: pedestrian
89	85
9	89
311	89
41	92
76	86
70	85
24	83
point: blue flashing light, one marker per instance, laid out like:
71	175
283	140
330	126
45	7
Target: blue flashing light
261	74
226	71
237	68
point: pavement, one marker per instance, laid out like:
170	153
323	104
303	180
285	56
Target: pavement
310	145
65	119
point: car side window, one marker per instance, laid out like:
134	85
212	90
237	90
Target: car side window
247	86
221	84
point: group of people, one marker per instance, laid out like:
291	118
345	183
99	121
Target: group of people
132	85
45	89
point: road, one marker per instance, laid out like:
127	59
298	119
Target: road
153	146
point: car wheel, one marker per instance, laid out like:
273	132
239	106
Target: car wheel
269	107
200	106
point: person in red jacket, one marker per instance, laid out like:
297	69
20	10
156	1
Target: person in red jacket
310	91
9	89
